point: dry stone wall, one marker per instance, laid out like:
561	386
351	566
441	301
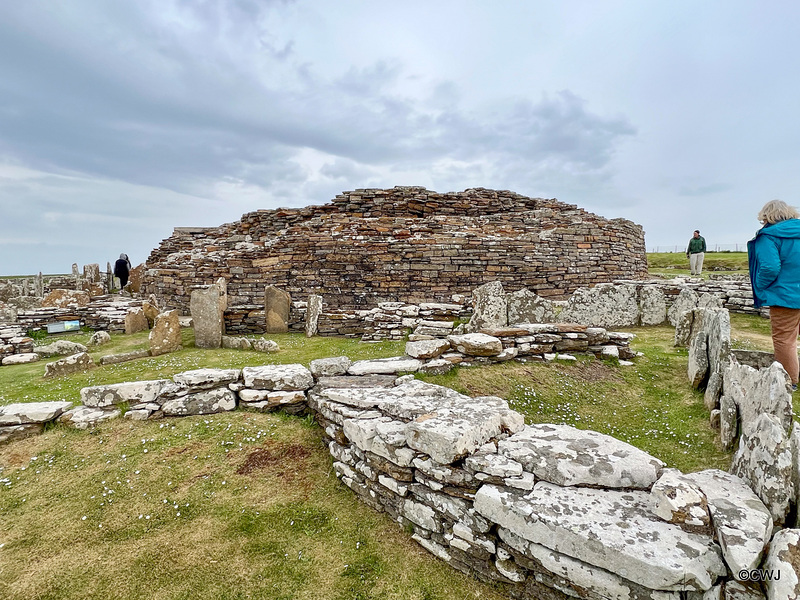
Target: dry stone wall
402	244
546	511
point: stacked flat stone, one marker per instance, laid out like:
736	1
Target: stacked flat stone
14	342
404	244
105	313
547	510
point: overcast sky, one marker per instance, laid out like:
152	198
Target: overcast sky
122	120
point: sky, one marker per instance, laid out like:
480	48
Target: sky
122	120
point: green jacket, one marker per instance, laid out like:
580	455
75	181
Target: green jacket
696	245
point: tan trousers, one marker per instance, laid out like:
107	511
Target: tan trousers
696	263
785	324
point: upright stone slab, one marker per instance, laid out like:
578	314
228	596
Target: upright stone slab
686	300
490	307
652	306
38	286
109	277
764	460
165	336
277	305
207	310
525	306
135	321
784	558
92	273
313	311
605	305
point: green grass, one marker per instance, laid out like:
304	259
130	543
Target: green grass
168	510
650	405
246	505
673	264
25	383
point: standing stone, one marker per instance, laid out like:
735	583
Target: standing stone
652	306
490	307
277	305
75	271
38	286
764	460
150	308
313	311
135	321
728	422
784	558
206	306
91	273
605	305
525	306
166	333
135	279
698	360
686	300
109	277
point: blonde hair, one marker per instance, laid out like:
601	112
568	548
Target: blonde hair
777	210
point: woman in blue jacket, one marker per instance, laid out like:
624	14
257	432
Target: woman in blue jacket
774	257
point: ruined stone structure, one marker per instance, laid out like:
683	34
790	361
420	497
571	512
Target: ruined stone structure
404	244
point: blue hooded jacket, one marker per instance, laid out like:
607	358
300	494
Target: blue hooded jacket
774	258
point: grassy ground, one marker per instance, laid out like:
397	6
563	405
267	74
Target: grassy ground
246	505
24	383
673	264
649	405
234	506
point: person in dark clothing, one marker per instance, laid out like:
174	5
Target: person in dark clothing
122	269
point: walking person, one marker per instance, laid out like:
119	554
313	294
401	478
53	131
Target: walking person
696	252
122	270
774	257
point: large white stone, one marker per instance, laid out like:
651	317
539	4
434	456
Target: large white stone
784	558
427	348
604	305
60	348
330	367
32	412
568	456
613	530
757	391
741	521
686	301
476	344
572	573
764	460
525	306
20	359
133	392
278	377
201	403
385	366
203	379
652	306
87	417
678	500
489	305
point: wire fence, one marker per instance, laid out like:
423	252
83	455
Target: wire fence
709	248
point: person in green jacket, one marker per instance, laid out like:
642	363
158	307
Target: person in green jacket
696	252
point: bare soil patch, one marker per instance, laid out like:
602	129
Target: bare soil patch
284	460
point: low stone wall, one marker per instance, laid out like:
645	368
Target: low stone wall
546	511
106	313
